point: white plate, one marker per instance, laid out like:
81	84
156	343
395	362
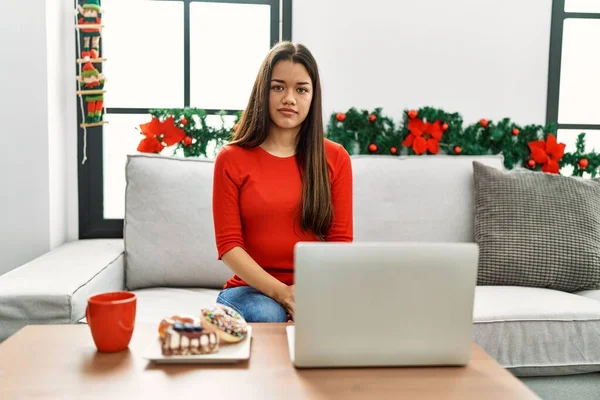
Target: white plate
228	353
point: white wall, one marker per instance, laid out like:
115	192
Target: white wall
38	171
62	121
24	230
482	59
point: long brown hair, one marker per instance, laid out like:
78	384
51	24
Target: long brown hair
316	207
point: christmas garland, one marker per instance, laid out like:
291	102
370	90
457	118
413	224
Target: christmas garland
183	129
434	131
423	131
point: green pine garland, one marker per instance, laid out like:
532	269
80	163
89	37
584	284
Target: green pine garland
364	132
356	132
196	128
575	159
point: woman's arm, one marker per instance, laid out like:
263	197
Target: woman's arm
342	229
254	275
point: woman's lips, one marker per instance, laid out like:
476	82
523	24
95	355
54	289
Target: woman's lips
287	111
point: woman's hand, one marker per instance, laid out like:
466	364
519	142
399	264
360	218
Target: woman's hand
285	297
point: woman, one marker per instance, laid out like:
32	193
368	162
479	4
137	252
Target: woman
277	183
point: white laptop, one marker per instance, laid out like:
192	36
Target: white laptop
383	304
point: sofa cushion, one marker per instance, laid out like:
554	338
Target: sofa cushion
155	304
168	229
538	332
536	229
415	198
590	294
54	288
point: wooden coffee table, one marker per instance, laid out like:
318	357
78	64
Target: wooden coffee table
60	361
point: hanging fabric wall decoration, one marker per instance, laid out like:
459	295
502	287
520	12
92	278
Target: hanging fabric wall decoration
88	24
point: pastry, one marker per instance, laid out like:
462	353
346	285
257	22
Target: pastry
166	323
228	323
189	339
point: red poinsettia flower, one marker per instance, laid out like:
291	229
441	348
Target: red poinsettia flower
152	128
150	144
424	136
157	132
547	153
172	134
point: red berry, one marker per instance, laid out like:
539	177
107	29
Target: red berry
372	147
187	141
184	121
457	150
372	118
531	163
412	114
444	126
483	122
340	117
515	132
393	150
583	163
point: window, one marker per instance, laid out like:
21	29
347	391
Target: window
573	79
167	54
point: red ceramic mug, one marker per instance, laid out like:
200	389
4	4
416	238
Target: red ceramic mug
111	318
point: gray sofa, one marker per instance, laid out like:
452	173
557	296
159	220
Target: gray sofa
549	339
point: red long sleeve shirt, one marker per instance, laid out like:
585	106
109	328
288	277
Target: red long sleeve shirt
255	206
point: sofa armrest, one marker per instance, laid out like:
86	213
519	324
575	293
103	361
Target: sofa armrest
54	288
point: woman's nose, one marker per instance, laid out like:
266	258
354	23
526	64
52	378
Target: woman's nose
289	97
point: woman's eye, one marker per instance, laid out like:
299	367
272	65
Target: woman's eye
277	88
302	90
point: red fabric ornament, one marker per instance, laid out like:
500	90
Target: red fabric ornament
457	150
187	141
548	153
412	114
531	164
444	127
394	150
372	118
184	121
483	122
372	147
340	117
423	136
515	132
583	163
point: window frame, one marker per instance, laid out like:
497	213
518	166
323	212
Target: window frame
559	15
92	224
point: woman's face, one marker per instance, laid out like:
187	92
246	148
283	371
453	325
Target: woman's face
290	94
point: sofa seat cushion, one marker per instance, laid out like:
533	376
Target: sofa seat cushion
538	332
154	304
54	288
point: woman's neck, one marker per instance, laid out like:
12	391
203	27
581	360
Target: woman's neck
281	142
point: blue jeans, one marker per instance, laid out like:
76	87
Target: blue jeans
252	304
